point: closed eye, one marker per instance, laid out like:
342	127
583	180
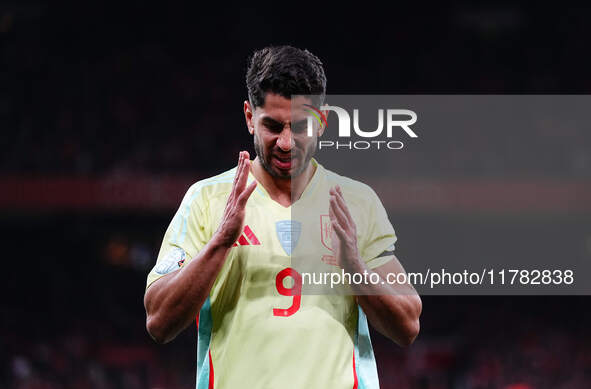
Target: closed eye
299	127
272	125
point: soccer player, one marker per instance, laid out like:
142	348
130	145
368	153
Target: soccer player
227	252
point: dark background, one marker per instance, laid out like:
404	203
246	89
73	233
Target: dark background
109	112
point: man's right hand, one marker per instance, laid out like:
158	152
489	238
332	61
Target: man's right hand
173	301
233	220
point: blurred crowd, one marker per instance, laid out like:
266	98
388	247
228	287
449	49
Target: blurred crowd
492	342
522	349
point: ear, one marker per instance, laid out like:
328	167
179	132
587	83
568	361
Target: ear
249	116
323	127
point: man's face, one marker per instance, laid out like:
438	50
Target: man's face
280	136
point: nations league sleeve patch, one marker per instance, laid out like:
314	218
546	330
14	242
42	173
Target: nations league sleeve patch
171	261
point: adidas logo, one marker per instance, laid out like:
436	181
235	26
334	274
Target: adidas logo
247	238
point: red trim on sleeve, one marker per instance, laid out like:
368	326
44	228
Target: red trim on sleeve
210	372
355	383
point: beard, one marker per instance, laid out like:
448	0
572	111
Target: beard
267	165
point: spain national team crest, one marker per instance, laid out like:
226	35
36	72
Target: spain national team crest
325	238
288	233
325	231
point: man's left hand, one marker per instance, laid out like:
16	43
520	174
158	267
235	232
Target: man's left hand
344	232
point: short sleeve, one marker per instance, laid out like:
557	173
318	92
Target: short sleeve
379	238
186	235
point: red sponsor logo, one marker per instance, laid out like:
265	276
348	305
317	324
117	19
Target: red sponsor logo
247	238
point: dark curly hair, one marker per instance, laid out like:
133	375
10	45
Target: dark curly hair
286	71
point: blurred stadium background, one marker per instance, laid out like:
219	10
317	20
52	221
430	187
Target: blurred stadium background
109	113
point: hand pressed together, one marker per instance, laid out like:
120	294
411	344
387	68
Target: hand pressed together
344	231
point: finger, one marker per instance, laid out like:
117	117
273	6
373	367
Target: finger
343	205
332	217
339	200
339	231
246	194
338	212
339	216
238	166
243	178
241	166
236	177
331	214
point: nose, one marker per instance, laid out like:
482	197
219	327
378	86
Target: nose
285	141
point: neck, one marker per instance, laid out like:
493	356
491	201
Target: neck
284	191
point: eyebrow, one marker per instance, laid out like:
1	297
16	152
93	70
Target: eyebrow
272	123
